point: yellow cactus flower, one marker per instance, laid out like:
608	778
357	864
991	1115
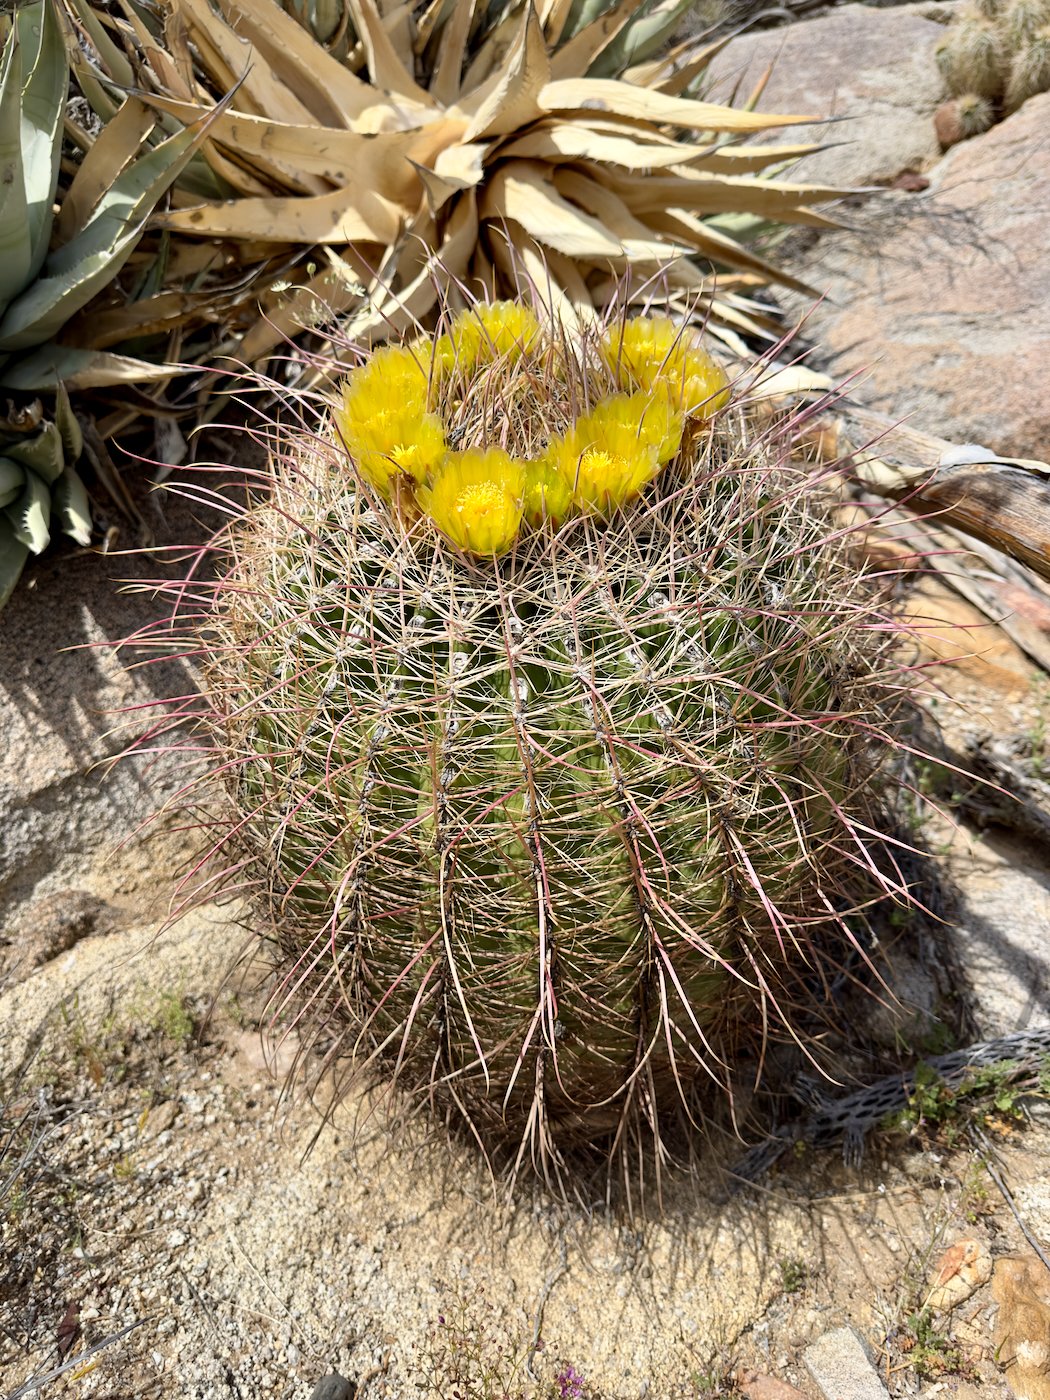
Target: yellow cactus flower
476	500
488	331
651	352
384	423
650	418
610	454
548	492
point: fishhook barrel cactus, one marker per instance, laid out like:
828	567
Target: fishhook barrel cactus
549	709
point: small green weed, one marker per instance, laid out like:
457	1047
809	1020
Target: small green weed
990	1096
928	1350
99	1049
174	1020
715	1382
975	1203
794	1275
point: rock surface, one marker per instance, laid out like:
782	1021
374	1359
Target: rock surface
1022	1290
941	300
841	1369
70	825
874	68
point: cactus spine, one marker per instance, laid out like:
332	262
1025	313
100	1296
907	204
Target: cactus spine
970	56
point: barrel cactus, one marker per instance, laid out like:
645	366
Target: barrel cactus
549	710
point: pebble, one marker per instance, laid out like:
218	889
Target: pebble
959	1272
333	1387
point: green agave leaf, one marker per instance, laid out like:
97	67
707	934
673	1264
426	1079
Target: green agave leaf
72	506
13	555
45	369
68	425
16	259
29	515
642	36
43	106
73	274
582	13
744	227
42	452
12	479
114	59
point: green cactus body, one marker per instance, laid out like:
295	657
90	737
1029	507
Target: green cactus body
1021	21
553	834
1030	70
971	56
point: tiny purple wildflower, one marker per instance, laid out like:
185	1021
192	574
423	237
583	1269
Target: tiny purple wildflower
570	1384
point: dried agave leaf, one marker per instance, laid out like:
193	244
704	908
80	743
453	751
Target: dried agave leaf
258	89
692	189
348	215
606	206
571	141
119	141
521	191
448	70
704	238
392	313
456	169
515	99
483	67
79	370
607	95
146	316
385	67
337	288
323	85
341	156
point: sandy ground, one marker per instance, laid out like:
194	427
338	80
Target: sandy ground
155	1176
180	1194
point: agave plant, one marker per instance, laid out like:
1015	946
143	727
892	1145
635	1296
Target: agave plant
478	146
51	267
39	483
